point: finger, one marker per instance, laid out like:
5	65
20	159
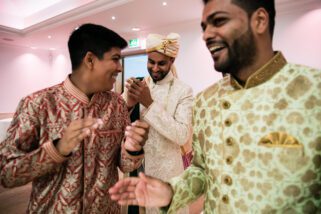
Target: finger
124	184
134	84
134	90
133	130
148	180
144	83
128	196
77	134
141	193
143	177
77	138
127	202
132	145
123	196
130	80
134	141
141	124
133	95
84	123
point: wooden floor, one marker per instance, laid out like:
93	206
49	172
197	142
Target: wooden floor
15	200
5	115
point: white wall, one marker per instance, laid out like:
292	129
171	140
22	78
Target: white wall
24	70
298	36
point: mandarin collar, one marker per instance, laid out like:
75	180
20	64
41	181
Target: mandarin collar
263	74
76	92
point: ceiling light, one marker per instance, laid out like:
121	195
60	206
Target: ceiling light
135	29
164	3
49	37
113	17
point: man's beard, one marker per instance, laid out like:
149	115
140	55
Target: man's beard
161	75
240	55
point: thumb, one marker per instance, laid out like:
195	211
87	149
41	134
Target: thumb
141	193
144	82
147	179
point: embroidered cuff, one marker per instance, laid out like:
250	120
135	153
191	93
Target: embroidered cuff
53	152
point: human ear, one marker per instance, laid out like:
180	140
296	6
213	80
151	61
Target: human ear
260	21
89	60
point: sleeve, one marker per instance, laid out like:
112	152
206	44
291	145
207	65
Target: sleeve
127	162
22	159
176	128
191	184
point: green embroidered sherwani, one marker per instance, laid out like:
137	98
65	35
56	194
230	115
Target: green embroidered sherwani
257	147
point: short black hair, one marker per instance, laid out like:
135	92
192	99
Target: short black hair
250	6
94	38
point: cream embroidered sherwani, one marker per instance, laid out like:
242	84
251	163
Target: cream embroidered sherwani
257	148
170	118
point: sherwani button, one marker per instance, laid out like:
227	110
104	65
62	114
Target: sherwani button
229	160
226	105
229	141
225	199
228	180
228	122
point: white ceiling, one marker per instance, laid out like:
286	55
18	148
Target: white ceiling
28	23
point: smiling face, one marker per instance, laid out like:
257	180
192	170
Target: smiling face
105	70
158	65
228	36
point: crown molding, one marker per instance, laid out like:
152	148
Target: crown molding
66	17
289	6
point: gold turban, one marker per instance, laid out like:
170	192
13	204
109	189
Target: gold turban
166	45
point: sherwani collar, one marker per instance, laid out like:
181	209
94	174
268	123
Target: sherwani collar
73	90
263	74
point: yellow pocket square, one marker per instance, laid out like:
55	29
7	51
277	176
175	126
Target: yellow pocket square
279	139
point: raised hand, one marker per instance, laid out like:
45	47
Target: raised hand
143	191
139	91
75	133
136	135
131	98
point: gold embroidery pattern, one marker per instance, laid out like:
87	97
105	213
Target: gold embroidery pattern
279	139
274	159
263	74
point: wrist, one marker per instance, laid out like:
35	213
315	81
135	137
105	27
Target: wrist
57	144
167	200
148	103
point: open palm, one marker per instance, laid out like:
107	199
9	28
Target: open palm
142	191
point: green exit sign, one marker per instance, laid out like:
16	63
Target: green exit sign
134	43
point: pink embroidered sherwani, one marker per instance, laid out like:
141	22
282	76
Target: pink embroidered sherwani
78	183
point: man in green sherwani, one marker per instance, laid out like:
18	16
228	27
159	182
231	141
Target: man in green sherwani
257	132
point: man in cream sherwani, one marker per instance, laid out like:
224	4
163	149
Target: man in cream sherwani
166	104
